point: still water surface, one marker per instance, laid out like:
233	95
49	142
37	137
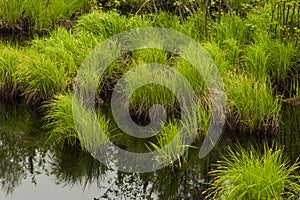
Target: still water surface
29	169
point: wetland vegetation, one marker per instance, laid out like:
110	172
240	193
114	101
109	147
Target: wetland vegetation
254	44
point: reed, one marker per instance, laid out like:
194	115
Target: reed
250	174
11	11
219	56
282	61
234	51
144	97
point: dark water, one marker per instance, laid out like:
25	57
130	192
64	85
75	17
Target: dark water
29	169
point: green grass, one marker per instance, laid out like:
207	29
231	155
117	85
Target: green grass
155	85
282	59
234	27
40	76
60	124
149	94
219	56
270	57
102	24
251	103
39	15
257	61
192	75
175	154
10	58
27	72
67	49
226	55
147	56
46	65
107	24
250	174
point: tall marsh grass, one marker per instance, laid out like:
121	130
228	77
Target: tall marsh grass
251	103
175	153
174	134
106	24
102	24
250	174
65	48
39	75
257	61
60	123
226	55
249	61
234	27
46	66
39	15
10	58
192	75
267	57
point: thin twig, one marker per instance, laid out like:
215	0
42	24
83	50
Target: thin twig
219	11
142	7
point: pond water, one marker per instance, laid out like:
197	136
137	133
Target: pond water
31	169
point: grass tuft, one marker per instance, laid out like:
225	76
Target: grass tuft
251	104
175	153
38	15
250	174
60	123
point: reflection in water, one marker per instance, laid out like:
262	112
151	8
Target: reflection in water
290	131
18	150
162	184
27	165
76	168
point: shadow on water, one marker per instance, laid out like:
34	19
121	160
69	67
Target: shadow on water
290	131
30	169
